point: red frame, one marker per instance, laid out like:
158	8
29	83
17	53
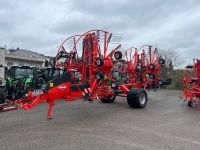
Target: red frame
191	90
97	89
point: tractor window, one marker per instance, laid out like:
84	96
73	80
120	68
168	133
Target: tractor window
57	72
21	72
48	73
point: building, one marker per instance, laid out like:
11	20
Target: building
10	57
18	56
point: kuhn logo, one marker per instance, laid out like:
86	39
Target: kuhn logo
62	87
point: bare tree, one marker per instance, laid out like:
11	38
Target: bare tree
172	60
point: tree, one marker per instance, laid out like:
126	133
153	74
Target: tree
171	67
46	63
52	62
172	60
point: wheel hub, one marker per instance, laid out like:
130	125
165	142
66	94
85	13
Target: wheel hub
142	98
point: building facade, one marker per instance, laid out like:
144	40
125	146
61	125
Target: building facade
19	57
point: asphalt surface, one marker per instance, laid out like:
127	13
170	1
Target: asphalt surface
164	124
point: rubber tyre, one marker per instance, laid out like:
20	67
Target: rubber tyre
3	95
160	82
110	99
99	62
99	75
189	67
190	103
151	66
161	61
137	98
118	55
151	76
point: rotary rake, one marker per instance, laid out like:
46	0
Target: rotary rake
142	68
191	84
139	70
84	76
90	62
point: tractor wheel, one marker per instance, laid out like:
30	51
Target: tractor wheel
3	94
137	98
190	103
110	99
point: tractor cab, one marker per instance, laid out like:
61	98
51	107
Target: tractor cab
19	80
18	72
51	72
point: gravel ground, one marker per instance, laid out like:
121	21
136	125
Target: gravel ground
164	124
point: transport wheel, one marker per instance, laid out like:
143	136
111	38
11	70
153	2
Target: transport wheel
189	67
152	76
118	55
160	82
137	98
99	75
110	99
190	103
3	94
161	61
99	62
151	66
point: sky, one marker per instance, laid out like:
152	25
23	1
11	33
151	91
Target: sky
41	25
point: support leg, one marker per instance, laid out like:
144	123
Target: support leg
51	104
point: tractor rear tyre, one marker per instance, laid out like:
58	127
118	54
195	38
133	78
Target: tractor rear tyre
110	99
137	98
3	95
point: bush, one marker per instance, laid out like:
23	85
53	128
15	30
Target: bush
176	77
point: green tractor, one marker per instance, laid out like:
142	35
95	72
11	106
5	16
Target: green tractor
19	79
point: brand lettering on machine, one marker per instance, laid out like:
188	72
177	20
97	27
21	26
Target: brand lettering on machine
62	87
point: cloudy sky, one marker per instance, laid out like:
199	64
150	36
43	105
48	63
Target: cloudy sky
41	25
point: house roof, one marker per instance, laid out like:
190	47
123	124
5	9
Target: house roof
25	53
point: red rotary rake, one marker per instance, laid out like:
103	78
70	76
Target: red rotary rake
142	68
91	68
90	61
191	84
